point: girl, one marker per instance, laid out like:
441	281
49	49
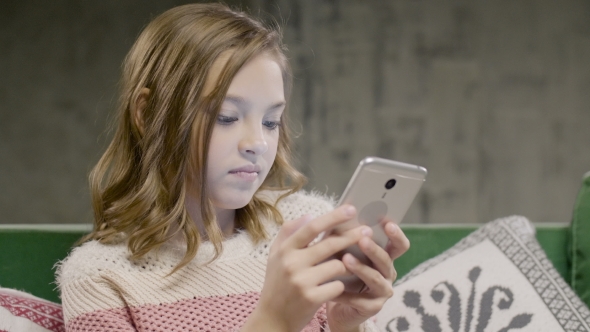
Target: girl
190	196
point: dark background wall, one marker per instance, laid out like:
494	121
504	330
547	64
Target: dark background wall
491	96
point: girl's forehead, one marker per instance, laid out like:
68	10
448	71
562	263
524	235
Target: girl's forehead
217	68
215	71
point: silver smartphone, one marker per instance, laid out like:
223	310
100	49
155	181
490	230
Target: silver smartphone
381	190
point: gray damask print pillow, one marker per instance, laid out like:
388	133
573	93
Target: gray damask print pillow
496	279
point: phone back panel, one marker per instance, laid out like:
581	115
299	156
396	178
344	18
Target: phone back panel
368	193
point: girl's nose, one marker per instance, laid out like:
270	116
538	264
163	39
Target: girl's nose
254	142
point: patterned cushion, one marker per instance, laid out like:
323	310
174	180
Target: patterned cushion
496	279
21	311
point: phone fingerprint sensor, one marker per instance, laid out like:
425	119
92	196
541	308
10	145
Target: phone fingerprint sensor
373	212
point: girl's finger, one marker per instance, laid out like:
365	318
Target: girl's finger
378	285
378	257
333	244
327	292
398	242
307	233
291	227
326	271
365	304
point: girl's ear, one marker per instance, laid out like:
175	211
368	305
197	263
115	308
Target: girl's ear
137	108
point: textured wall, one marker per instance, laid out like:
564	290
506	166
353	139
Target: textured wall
490	96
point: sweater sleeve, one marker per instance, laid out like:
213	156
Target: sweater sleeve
91	301
111	320
90	304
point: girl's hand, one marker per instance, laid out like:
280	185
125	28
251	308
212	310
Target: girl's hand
349	310
298	278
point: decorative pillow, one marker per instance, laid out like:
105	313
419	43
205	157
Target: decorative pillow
498	278
20	311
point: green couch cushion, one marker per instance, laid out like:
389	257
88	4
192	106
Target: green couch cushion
579	244
28	255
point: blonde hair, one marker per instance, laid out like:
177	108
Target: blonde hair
139	185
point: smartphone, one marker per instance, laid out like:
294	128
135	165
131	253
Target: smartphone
381	190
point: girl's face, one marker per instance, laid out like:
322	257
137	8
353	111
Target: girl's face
245	137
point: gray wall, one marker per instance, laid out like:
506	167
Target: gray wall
490	96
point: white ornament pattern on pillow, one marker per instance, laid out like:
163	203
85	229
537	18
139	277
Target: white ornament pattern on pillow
20	311
496	279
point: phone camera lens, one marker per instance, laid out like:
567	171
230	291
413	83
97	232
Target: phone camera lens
390	184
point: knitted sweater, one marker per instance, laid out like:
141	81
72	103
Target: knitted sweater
102	290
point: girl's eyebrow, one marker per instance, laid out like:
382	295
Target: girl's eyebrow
238	101
244	104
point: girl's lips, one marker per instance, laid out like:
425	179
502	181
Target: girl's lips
248	176
246	169
248	172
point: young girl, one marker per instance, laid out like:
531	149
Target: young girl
191	195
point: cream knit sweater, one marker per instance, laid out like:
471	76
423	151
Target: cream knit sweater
102	290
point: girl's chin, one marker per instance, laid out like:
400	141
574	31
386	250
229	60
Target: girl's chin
234	204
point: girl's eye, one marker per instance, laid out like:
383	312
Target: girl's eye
226	120
271	124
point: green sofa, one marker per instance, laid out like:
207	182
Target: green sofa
29	252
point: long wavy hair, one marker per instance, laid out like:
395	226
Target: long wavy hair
139	185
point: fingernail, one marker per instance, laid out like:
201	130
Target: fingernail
307	218
350	259
391	228
349	211
366	231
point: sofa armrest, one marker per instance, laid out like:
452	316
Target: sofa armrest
579	244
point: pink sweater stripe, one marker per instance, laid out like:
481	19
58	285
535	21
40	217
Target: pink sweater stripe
216	313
